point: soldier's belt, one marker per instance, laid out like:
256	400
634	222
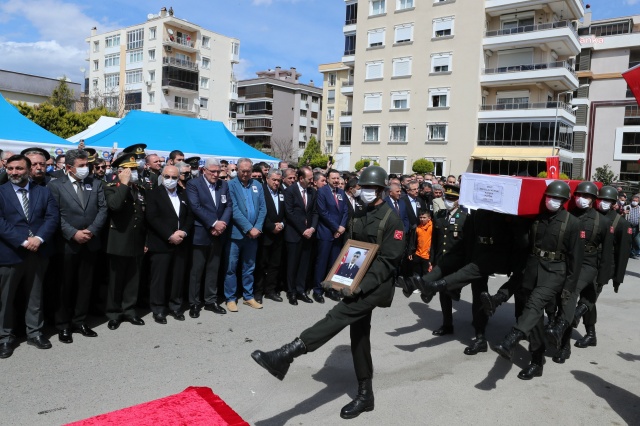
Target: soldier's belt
548	255
485	240
590	248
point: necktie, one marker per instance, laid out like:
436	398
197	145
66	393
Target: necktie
25	206
80	192
395	203
335	197
304	197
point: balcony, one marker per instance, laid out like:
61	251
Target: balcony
349	57
180	108
536	110
569	9
131	107
559	36
346	117
347	88
181	43
233	96
187	65
558	75
179	86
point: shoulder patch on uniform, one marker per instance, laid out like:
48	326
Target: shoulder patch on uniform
398	235
629	231
583	234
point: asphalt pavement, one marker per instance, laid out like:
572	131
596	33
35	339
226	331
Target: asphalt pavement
419	378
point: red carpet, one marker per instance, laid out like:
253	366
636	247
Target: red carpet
193	406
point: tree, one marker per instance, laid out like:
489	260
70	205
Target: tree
423	166
312	150
360	164
283	149
62	95
562	176
605	175
319	161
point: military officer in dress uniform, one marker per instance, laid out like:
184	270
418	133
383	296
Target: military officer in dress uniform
194	162
380	225
126	243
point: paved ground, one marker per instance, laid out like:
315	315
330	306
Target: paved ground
419	378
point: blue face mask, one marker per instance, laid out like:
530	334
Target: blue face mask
50	169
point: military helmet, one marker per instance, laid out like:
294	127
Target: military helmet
559	189
373	175
586	187
608	193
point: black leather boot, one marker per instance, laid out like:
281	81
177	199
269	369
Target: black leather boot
563	354
581	309
363	401
277	362
588	340
490	303
443	330
505	348
406	284
555	331
535	368
430	289
478	345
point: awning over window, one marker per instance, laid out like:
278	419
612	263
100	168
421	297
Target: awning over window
507	153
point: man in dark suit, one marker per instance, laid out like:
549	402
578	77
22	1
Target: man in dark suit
28	220
59	171
413	203
395	202
271	241
350	270
301	223
38	158
169	222
355	206
83	213
333	215
212	207
126	243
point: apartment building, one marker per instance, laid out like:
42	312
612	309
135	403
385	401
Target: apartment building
337	109
471	86
278	113
607	130
165	65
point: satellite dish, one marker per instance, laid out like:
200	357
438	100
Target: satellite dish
170	31
150	16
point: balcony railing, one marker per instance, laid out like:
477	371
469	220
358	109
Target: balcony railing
180	63
351	21
560	144
532	28
181	84
347	84
179	105
346	113
349	52
534	105
530	67
131	107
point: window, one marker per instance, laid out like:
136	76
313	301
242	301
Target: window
152	75
235	48
96	46
112	60
443	27
96	65
112	41
515	57
349	44
152	97
400	100
401	67
441	62
403	33
95	84
315	99
205	63
204	103
329	130
151	54
330	114
135	39
111	80
398	133
438	165
513	100
206	42
351	16
303	113
373	101
371	133
181	103
375	37
377	7
439	98
331	96
331	79
329	147
302	129
204	83
345	135
404	4
152	33
437	132
374	70
134	56
133	77
396	165
304	97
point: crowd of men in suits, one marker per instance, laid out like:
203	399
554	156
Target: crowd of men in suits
183	234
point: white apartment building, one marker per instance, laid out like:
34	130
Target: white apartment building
165	65
337	94
469	85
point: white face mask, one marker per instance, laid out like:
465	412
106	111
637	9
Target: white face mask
582	202
634	203
449	205
170	183
604	206
552	204
357	193
108	171
367	195
134	176
233	174
195	173
82	172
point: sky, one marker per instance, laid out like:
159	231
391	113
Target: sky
47	37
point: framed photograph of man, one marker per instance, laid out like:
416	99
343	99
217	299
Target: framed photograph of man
351	264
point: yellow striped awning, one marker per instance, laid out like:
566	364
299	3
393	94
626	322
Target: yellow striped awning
509	153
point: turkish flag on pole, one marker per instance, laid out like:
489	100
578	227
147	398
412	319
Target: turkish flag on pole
632	76
553	166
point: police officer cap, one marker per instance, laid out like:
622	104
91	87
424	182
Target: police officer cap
44	153
137	150
586	187
559	189
126	160
373	176
608	193
194	162
451	190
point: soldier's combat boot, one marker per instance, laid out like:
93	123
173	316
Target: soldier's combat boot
430	289
581	309
406	284
535	368
563	354
363	401
555	331
277	362
478	345
588	340
505	348
490	303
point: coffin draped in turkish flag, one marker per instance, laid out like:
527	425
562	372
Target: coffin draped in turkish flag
632	76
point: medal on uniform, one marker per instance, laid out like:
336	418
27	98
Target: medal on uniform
455	234
452	221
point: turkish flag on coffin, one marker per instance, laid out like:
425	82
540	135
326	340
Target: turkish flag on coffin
632	76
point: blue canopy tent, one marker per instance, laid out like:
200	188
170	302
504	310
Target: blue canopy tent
17	132
163	133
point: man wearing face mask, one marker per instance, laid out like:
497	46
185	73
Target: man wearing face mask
632	214
126	243
557	248
83	213
194	162
380	226
232	170
355	206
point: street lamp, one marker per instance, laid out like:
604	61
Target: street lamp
555	127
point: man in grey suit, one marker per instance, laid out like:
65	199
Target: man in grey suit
83	213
